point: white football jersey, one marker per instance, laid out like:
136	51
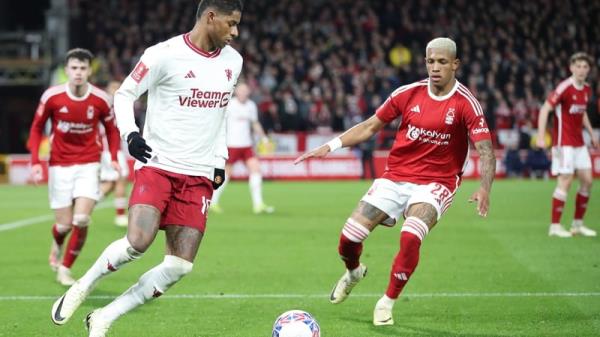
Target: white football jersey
240	117
188	92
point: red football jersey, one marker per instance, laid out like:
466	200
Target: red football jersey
432	141
569	103
74	137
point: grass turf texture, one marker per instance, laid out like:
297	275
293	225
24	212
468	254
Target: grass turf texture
500	276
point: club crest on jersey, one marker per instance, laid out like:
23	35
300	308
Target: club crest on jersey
450	116
90	112
139	72
229	74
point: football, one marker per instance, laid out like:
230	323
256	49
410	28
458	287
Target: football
296	323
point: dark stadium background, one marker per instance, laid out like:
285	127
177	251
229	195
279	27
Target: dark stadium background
315	66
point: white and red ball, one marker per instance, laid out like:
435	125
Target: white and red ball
296	323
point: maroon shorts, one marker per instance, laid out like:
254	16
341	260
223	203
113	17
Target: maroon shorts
181	199
239	153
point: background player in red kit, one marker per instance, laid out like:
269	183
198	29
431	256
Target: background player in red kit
75	109
569	154
424	168
189	79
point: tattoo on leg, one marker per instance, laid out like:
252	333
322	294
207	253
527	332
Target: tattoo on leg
425	212
372	214
143	226
183	241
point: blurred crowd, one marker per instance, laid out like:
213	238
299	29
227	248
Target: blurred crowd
326	65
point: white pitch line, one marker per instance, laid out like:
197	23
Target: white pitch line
32	221
285	296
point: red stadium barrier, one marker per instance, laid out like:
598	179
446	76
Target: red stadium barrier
282	167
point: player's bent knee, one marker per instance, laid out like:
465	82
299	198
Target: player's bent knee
175	267
81	220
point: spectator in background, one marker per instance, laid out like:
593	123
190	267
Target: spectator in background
340	46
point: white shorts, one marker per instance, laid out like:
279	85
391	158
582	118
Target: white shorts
395	198
66	183
567	159
107	172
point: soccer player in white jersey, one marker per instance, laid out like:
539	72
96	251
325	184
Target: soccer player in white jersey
439	118
570	156
242	121
180	158
111	180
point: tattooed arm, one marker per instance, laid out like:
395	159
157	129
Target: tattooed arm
487	160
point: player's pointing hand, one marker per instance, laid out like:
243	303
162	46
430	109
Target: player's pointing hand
483	201
319	152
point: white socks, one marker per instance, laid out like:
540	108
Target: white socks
385	302
151	285
114	256
255	182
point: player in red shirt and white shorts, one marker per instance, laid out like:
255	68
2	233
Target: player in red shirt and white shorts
75	110
569	154
424	168
242	122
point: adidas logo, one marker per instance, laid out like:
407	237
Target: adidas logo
415	109
64	110
190	74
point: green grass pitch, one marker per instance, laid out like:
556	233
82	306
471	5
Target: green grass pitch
499	276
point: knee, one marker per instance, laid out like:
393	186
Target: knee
81	220
139	242
176	268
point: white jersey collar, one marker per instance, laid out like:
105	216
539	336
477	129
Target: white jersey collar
76	98
445	97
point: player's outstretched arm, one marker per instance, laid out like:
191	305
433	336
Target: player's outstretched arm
487	159
588	126
357	134
542	121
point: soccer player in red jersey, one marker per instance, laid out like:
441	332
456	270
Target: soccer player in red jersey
75	110
569	154
424	167
180	158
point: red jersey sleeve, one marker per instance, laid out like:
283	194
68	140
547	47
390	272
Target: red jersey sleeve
112	133
475	120
557	94
37	129
394	105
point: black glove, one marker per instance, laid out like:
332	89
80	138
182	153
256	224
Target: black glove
219	178
138	148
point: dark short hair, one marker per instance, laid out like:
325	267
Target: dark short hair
79	54
581	56
223	6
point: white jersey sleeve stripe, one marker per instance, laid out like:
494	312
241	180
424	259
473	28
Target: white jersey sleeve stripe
563	86
52	91
474	103
102	95
406	87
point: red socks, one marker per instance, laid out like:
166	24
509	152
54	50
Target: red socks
558	203
75	244
581	201
413	232
350	247
60	232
